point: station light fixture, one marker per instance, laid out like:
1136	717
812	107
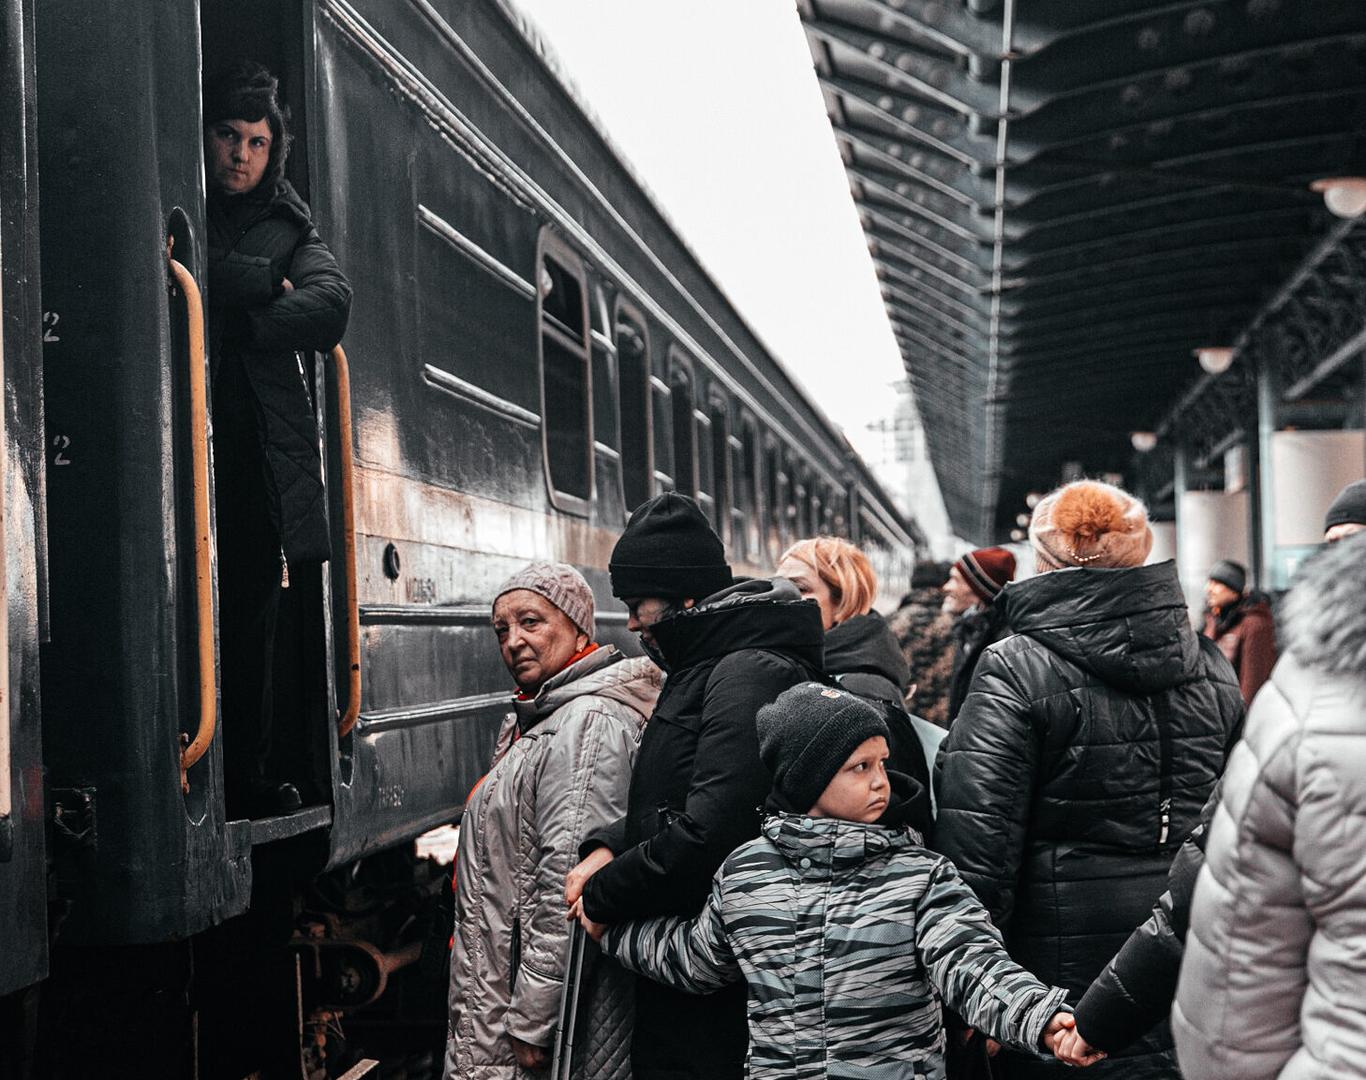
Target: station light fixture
1215	359
1022	520
1345	196
1032	499
1143	441
1017	535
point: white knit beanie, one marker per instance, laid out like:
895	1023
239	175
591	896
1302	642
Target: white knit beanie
1088	523
559	583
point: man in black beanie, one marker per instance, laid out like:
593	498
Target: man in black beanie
1347	514
729	648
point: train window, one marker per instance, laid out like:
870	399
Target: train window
684	430
747	486
606	432
566	381
720	467
633	407
703	445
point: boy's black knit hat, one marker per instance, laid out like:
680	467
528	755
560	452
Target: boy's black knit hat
669	550
807	733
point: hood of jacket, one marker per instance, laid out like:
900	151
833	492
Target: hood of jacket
1323	621
831	844
864	644
760	613
1129	627
634	681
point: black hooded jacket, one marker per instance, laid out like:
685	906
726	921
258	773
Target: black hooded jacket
256	326
863	654
1082	757
1134	993
696	795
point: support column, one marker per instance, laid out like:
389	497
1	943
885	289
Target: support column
1264	492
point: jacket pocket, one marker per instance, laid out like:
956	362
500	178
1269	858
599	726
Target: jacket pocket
515	960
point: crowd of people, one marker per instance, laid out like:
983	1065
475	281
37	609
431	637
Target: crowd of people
1021	826
791	871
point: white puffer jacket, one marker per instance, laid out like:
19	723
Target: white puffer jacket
565	773
1274	978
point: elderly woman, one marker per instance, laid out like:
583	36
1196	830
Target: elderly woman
561	768
861	652
1084	752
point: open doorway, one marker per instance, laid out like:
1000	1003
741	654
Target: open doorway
271	540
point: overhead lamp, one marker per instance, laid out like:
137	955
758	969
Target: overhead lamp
1143	441
1345	196
1032	499
1017	535
1215	359
1022	519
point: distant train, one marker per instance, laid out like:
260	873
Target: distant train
532	352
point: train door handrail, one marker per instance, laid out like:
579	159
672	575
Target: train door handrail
194	749
347	717
6	719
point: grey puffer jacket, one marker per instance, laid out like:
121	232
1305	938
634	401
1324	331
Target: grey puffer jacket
1275	964
848	936
562	768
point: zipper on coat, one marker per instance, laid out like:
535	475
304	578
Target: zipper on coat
284	570
1162	713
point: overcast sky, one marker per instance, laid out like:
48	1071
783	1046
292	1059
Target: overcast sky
716	104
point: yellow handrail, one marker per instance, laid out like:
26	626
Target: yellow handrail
197	747
347	717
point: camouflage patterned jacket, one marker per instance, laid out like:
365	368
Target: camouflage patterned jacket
848	935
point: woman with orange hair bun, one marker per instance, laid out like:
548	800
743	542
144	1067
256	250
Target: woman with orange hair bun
861	652
1084	752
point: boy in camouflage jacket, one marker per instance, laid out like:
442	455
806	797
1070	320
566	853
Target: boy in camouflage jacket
849	933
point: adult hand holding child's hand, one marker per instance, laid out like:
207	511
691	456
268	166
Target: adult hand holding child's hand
1060	1036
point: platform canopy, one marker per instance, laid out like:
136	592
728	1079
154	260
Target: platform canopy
1065	198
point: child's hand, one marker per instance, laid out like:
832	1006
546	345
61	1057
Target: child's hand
1060	1036
595	930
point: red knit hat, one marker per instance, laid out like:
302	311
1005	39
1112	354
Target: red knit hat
987	571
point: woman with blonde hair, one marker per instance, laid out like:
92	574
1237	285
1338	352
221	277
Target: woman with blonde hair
861	652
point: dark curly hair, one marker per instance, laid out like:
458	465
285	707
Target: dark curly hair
248	91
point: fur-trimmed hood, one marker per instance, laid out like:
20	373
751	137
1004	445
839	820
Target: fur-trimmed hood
1323	618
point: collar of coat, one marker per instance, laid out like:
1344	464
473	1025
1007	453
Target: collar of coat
1323	618
604	672
818	847
760	613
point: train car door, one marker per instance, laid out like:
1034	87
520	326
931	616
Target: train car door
23	870
143	854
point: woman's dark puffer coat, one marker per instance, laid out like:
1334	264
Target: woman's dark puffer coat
1082	757
255	327
695	797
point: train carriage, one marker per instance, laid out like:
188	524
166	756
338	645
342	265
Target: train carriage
532	352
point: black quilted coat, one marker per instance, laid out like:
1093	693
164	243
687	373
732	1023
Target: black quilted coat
1082	757
255	328
695	796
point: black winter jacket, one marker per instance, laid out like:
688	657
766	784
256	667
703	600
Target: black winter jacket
255	242
695	796
1084	752
973	632
1134	993
862	655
